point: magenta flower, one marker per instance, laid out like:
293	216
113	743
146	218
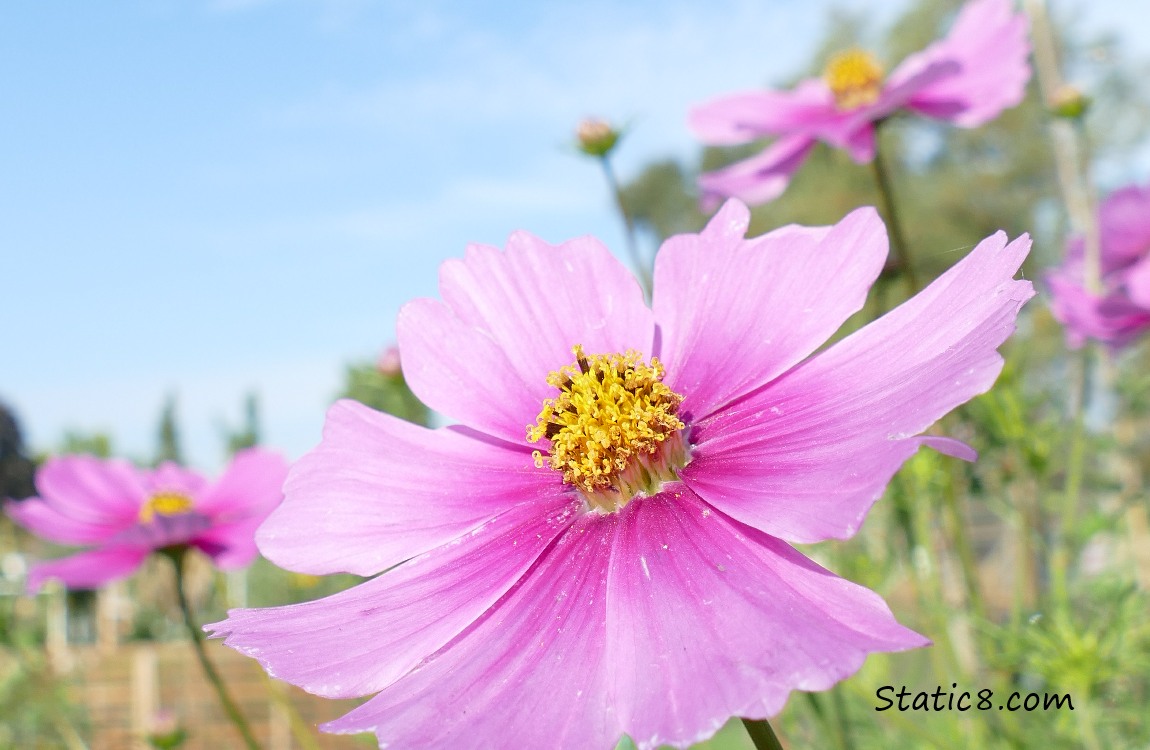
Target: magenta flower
967	78
1120	312
624	566
125	513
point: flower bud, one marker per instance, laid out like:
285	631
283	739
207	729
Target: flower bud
388	362
596	137
1069	102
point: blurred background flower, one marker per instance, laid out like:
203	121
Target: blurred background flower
124	514
966	78
1118	312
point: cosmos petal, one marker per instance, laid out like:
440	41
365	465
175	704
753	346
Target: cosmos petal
375	633
92	490
89	570
461	372
251	486
731	617
230	545
46	521
744	117
508	319
734	314
171	477
530	673
1077	310
761	178
1124	227
1119	313
379	490
805	457
1138	283
989	44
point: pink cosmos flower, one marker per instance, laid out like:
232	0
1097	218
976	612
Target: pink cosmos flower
967	78
625	566
1120	312
125	513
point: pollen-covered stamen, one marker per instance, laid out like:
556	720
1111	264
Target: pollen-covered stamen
855	78
165	504
613	427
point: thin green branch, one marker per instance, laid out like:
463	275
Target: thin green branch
1075	465
898	241
762	734
178	556
642	269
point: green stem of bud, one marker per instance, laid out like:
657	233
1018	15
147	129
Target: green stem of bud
642	269
898	243
178	555
762	734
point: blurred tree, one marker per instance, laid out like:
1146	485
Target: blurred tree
249	434
16	468
93	443
169	434
381	386
660	203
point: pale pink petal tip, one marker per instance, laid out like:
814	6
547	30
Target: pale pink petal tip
759	179
950	447
991	45
88	570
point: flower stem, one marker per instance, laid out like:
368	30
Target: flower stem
178	556
642	271
1071	161
1086	723
898	242
963	547
762	734
835	726
1060	558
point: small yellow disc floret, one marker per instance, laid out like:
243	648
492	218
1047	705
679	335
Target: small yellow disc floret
855	78
165	504
613	428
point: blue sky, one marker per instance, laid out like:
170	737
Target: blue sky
211	196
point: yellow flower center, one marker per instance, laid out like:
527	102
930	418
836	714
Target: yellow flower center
165	504
854	77
612	428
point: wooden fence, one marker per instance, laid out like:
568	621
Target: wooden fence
125	690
